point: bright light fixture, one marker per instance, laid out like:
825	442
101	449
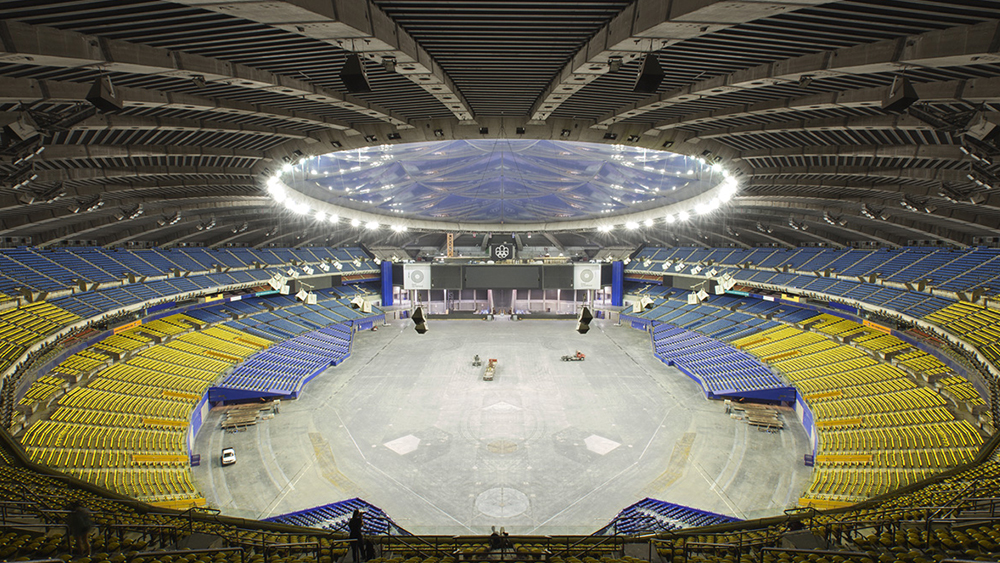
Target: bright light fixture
371	225
355	223
631	225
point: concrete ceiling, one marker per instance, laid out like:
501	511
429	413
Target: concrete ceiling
219	95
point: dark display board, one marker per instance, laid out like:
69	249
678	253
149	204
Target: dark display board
557	277
446	277
503	277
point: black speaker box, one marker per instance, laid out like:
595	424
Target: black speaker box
901	96
353	75
650	76
583	323
104	96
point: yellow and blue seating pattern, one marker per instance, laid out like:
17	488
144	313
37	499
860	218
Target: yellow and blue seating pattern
125	428
878	430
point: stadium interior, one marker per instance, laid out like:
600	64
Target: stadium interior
628	280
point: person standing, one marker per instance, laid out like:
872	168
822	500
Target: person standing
354	526
78	526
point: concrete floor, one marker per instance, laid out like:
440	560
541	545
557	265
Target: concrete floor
548	447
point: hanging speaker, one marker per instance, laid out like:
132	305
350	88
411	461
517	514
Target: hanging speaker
901	95
650	76
103	95
353	75
583	323
419	321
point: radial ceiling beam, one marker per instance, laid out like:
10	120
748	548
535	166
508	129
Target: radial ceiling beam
192	214
975	91
357	26
91	175
957	46
94	223
237	236
27	91
897	122
191	230
118	154
986	211
15	216
918	174
647	26
750	215
555	242
909	152
895	220
111	122
31	45
141	123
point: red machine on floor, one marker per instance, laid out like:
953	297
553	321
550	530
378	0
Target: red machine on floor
491	369
578	357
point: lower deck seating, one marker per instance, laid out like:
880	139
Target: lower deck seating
880	418
125	428
334	517
284	368
718	368
650	516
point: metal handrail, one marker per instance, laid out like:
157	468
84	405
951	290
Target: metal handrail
818	551
268	547
401	540
242	553
602	541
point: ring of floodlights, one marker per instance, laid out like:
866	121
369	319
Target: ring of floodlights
666	215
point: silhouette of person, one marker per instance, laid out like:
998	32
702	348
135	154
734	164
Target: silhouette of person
78	525
354	526
495	541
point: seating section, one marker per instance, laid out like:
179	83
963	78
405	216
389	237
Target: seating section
884	531
334	517
975	323
22	327
284	368
947	269
909	274
875	532
62	269
41	389
125	428
720	369
878	429
36	503
651	516
961	389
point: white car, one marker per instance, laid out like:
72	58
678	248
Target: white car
228	456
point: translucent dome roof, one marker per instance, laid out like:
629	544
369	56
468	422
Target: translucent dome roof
501	181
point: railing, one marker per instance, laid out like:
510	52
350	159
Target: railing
601	541
409	541
156	554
